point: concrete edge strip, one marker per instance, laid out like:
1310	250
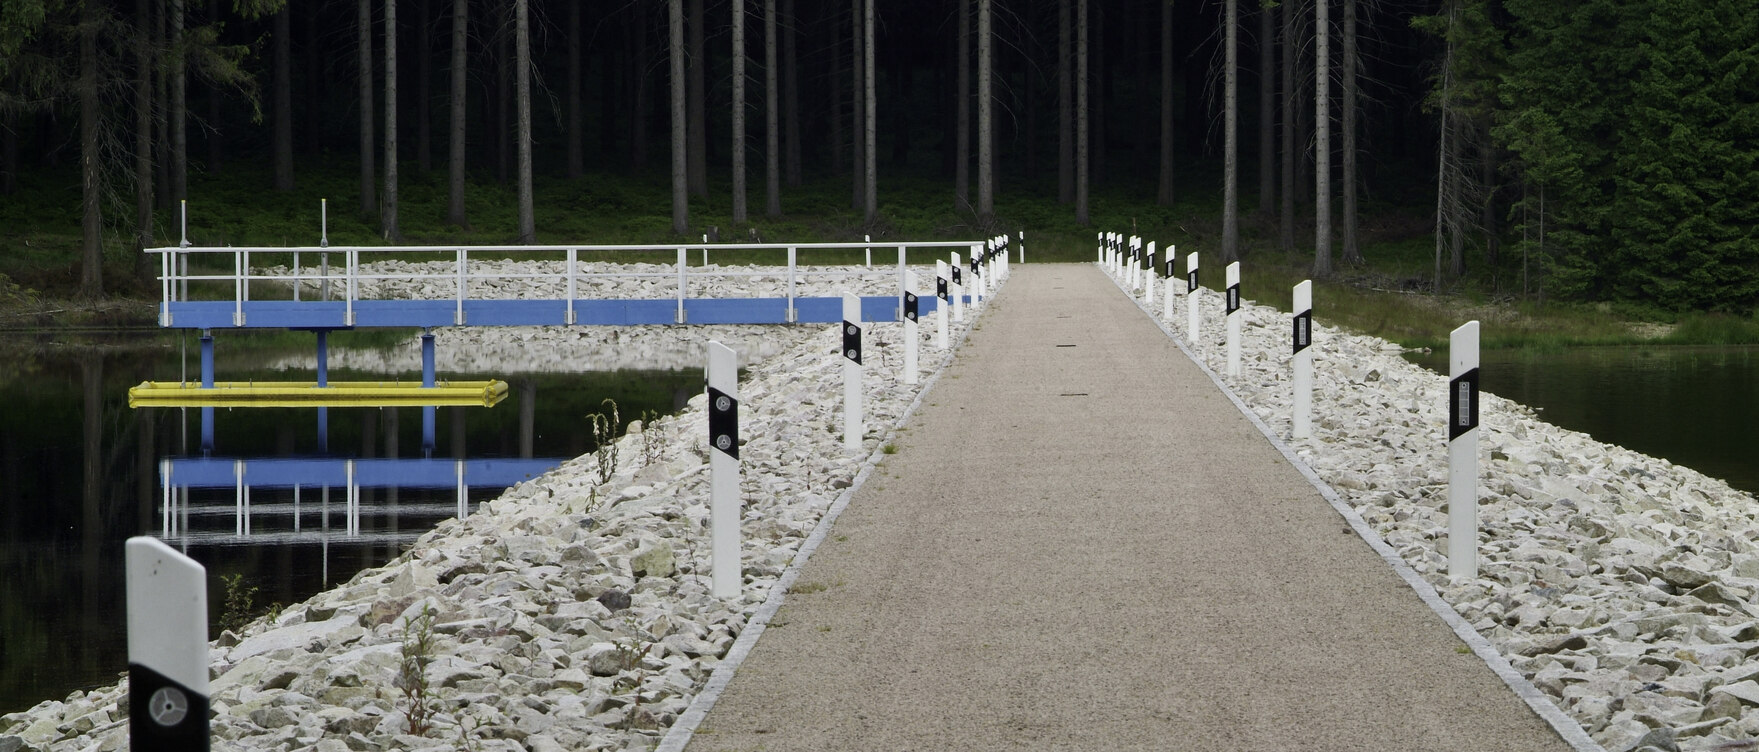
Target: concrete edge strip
684	729
1565	726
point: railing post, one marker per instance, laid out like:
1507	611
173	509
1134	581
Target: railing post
458	315
296	277
573	253
793	316
353	260
237	289
1463	452
683	258
723	427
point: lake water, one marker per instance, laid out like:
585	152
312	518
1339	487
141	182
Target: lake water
1695	406
80	473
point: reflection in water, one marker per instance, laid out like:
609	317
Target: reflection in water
80	473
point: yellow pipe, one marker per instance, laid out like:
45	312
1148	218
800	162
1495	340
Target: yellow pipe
309	394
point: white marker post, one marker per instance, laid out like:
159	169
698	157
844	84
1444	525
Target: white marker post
1100	251
1463	452
1191	313
1022	246
910	336
1233	318
942	290
1303	339
851	372
1148	277
957	290
167	601
723	435
1166	310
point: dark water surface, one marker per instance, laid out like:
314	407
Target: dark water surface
1694	406
80	473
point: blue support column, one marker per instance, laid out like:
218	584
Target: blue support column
427	380
207	383
323	380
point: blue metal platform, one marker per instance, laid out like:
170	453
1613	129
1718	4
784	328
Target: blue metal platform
333	314
315	472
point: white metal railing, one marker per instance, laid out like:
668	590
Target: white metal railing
175	277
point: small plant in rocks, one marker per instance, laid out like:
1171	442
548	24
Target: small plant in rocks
412	674
653	445
240	598
604	437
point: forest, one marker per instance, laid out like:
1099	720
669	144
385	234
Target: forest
1601	150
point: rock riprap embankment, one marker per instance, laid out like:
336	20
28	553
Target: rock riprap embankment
573	612
1621	584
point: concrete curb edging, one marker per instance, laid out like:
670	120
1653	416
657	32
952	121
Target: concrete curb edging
684	729
1566	727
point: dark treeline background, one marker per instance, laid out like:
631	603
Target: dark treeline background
1612	142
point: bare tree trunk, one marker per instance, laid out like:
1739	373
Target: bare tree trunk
369	198
283	103
1065	109
1164	196
522	82
680	156
1266	109
388	213
424	73
1286	225
986	181
576	160
1352	247
962	117
91	276
455	157
1322	140
870	186
1231	138
738	112
1081	135
179	114
1096	146
698	129
772	139
858	102
143	134
791	97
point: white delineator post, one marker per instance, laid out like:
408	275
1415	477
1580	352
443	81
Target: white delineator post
957	290
1148	277
167	601
942	290
1191	313
1099	250
723	436
1166	310
851	372
1463	452
1023	246
910	336
1303	339
1233	318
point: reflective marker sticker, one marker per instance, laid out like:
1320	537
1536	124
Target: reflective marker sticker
910	307
1462	404
1303	330
852	342
723	422
1233	298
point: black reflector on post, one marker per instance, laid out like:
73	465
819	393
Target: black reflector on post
910	306
1462	404
723	422
851	341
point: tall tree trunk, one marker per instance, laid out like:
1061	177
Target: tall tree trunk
962	118
282	108
1286	224
791	97
388	214
502	138
857	122
738	112
1081	135
698	104
1352	247
455	156
1266	109
986	181
1322	140
1165	195
179	114
522	82
424	73
1096	146
1231	138
576	160
870	150
369	199
1065	109
771	99
91	277
680	177
143	134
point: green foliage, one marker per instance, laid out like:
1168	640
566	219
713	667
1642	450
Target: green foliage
412	671
1637	123
240	607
